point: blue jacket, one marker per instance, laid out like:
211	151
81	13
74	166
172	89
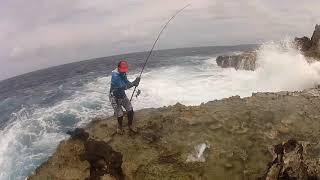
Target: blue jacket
119	83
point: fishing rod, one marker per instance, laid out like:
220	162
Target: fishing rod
154	44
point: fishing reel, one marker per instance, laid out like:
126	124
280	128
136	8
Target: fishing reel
138	93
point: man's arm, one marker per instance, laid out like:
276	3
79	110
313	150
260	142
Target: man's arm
122	83
133	83
128	83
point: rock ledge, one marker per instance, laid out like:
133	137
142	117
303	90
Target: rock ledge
234	138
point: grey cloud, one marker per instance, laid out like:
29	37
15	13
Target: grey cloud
36	34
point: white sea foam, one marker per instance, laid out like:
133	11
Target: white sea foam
281	67
35	132
197	154
32	136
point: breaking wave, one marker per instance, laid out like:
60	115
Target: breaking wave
282	67
34	132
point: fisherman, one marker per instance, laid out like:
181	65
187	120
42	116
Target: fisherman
118	97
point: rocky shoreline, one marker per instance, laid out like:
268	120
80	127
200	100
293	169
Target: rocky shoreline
310	47
266	136
243	61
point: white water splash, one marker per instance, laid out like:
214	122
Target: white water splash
197	154
34	133
282	67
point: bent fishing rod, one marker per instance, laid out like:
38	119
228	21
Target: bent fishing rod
154	44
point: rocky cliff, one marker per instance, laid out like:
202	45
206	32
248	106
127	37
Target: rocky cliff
245	61
290	162
310	47
266	136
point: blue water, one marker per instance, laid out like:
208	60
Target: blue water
36	109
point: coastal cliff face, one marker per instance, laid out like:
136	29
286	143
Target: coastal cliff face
310	47
244	61
290	163
266	136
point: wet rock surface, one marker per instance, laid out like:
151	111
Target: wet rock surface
310	46
100	159
79	133
244	61
247	60
303	43
232	138
289	163
315	39
103	160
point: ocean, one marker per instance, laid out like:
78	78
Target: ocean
38	108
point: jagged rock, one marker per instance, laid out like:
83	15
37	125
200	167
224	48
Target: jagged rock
238	130
303	43
247	60
289	163
307	44
65	163
315	39
103	160
310	47
79	133
244	61
82	158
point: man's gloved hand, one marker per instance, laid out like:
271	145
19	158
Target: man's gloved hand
136	81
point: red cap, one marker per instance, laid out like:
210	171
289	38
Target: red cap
123	66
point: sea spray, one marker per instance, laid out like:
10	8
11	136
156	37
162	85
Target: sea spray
31	137
281	67
198	154
33	133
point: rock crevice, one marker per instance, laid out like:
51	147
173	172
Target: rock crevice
228	138
289	163
82	158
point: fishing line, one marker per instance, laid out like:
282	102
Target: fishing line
154	44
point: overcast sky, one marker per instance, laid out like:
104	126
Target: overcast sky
35	34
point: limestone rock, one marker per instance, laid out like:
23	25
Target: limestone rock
82	158
79	133
239	131
247	60
103	160
290	163
303	43
310	47
315	39
244	61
